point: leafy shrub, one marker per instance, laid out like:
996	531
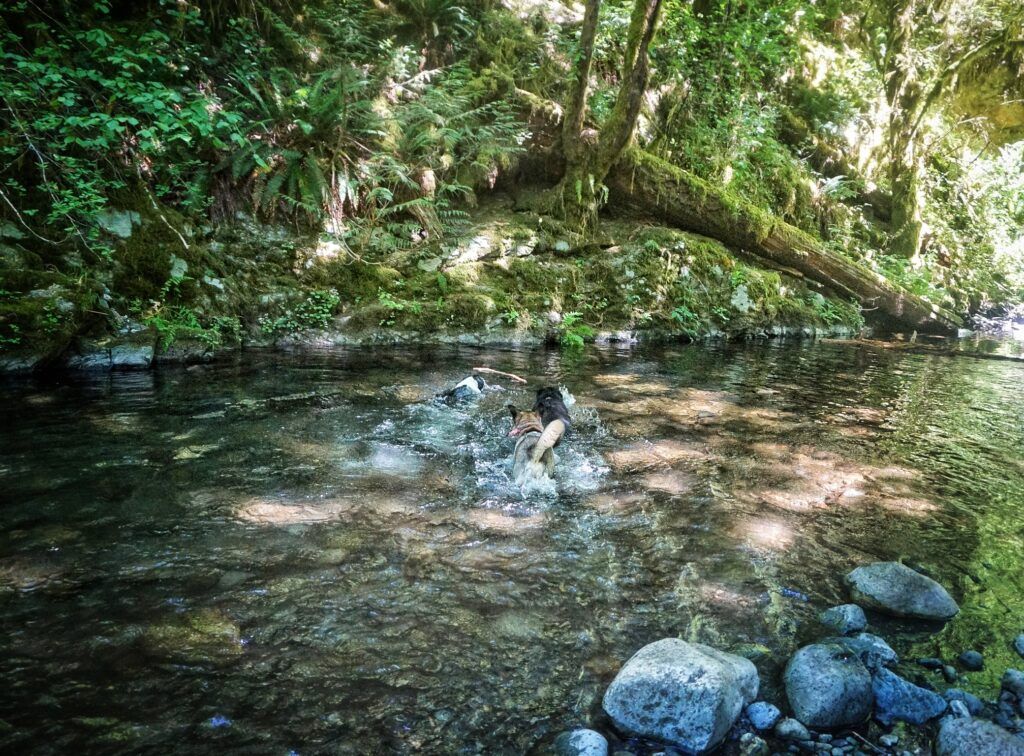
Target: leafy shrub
315	311
573	332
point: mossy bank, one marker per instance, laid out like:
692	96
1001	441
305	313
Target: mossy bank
171	291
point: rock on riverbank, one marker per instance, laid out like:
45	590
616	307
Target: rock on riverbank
685	694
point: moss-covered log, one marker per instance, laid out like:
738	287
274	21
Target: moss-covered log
654	187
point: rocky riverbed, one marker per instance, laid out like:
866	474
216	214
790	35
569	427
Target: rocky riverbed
843	695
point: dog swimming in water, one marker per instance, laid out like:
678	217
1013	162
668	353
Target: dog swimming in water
468	388
538	432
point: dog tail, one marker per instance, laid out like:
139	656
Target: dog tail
552	433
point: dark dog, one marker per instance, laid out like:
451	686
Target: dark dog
539	431
551	407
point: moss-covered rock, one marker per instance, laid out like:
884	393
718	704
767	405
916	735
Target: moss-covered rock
204	637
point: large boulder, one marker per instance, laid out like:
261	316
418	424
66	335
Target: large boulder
976	737
896	589
897	699
828	686
686	694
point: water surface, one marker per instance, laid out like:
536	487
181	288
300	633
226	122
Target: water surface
305	553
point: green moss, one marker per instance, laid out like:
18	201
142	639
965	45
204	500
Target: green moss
204	637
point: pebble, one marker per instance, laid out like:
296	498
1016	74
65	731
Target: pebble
971	660
930	662
974	704
791	729
959	709
825	737
763	715
889	740
949	672
751	745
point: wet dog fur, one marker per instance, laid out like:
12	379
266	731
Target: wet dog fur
539	430
527	429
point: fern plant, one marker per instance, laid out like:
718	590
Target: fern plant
308	140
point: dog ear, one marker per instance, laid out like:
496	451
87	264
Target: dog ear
513	411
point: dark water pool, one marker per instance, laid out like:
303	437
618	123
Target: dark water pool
306	554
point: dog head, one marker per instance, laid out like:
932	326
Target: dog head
548	393
524	421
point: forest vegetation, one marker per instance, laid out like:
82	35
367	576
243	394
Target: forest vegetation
233	169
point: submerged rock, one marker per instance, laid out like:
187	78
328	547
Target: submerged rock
976	737
828	686
791	729
1013	681
206	637
845	619
685	694
751	745
581	742
898	699
971	660
763	715
973	703
870	649
898	590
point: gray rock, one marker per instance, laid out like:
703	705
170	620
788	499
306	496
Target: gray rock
118	222
685	694
898	590
9	231
974	704
763	715
791	729
931	662
897	699
959	709
888	740
90	358
845	619
870	649
1013	681
949	673
581	742
828	686
131	357
179	267
751	745
971	660
976	737
1018	644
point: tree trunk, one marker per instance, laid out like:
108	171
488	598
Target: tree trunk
904	93
905	171
653	187
589	156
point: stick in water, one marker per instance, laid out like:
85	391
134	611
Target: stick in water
513	376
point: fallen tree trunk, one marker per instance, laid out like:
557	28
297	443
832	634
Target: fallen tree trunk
651	186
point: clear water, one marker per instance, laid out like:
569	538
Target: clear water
306	554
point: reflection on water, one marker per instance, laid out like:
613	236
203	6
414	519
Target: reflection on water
309	554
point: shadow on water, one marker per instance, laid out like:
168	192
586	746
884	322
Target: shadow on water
306	553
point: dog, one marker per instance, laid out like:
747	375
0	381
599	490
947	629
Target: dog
468	388
538	432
